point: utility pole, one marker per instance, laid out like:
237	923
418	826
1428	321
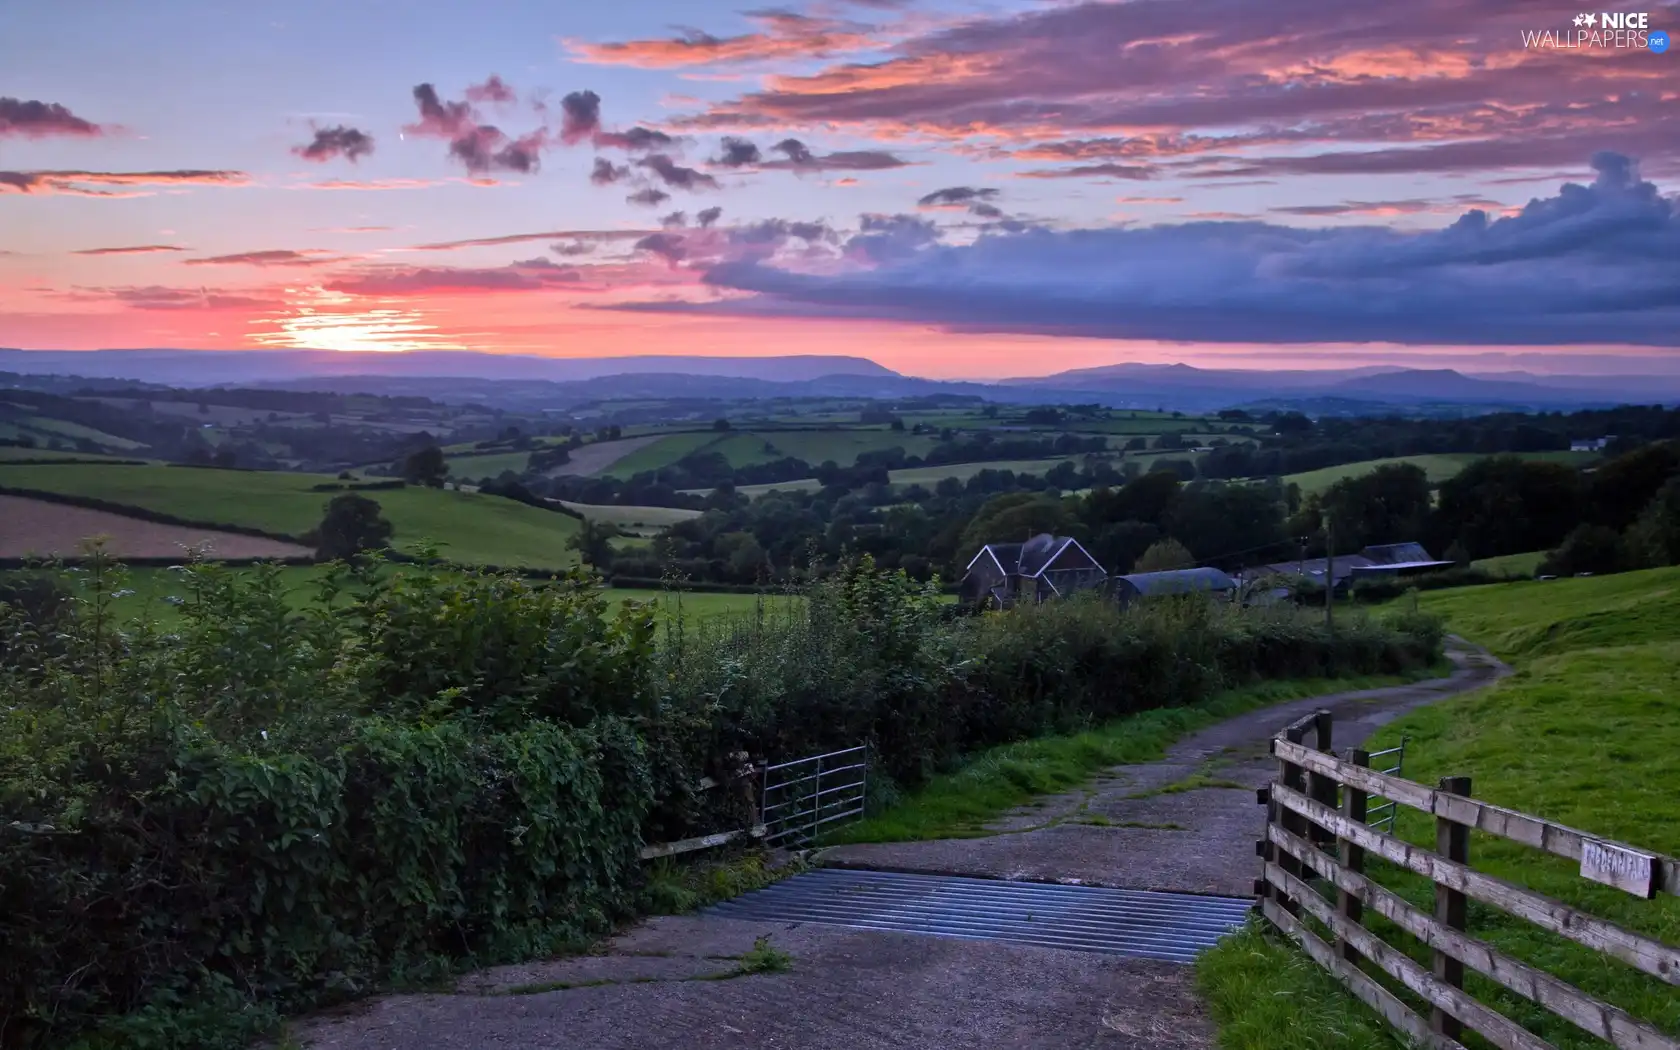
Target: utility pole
1329	575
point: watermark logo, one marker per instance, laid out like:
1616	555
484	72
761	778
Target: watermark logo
1600	30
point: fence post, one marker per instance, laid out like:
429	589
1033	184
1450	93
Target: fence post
1351	856
1291	776
1452	841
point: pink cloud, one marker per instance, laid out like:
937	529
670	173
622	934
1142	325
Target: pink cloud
33	119
393	184
527	276
159	297
781	35
137	249
589	236
1223	85
492	90
274	257
77	183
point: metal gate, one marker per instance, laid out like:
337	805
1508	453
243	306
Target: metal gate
800	797
1382	816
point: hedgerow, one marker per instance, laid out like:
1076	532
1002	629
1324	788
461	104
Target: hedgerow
246	809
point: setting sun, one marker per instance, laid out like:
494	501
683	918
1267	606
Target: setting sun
324	320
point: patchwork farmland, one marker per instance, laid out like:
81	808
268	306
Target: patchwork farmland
467	528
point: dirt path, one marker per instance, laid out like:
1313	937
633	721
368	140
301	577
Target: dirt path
674	982
1186	823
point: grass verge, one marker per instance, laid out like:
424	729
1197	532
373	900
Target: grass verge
674	887
960	804
1585	734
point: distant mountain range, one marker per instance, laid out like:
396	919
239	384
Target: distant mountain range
191	368
527	383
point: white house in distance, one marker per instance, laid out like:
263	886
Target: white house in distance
1591	444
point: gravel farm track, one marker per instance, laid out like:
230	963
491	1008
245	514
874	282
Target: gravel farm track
36	528
671	983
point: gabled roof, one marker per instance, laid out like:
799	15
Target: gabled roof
1180	581
1006	555
1040	551
1313	568
1397	553
1032	558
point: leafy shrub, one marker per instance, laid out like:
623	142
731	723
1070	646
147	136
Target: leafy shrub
299	807
1588	548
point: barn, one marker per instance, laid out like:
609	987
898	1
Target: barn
1126	589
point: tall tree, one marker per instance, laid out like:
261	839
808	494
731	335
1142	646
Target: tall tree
352	525
1505	505
593	543
425	466
1388	505
1165	555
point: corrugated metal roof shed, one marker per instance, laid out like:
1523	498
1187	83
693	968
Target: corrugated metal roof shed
1178	581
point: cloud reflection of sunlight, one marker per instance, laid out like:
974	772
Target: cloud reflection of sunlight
317	319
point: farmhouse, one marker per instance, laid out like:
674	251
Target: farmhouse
1204	580
1042	568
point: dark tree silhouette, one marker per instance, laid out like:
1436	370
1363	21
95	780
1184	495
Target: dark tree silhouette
352	524
425	466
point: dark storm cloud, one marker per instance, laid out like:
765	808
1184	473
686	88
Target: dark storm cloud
1598	263
580	116
350	143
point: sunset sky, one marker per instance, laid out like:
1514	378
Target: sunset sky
951	189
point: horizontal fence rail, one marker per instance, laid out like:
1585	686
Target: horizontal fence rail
1318	803
744	779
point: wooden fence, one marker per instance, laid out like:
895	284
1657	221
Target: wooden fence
1317	836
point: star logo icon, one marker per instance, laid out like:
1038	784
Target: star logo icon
1580	20
1592	20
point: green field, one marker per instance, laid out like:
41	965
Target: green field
926	476
9	453
746	447
42	427
1438	467
1526	564
489	465
151	587
468	528
1585	734
659	454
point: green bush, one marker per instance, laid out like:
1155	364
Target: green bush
237	808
